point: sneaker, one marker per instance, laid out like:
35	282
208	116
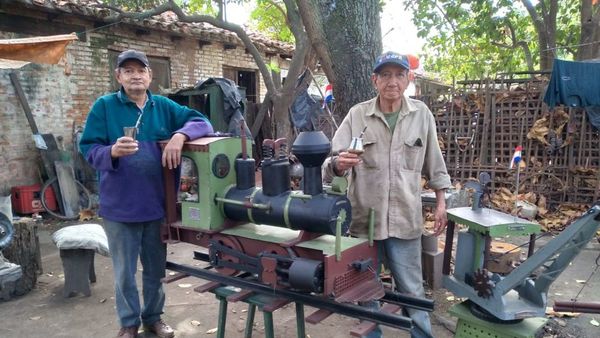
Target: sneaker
160	329
128	332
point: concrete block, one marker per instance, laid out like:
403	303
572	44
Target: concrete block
78	266
432	268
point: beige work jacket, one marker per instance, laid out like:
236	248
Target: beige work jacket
389	177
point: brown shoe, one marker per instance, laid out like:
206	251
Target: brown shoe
160	329
128	332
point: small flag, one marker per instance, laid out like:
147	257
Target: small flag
328	94
516	157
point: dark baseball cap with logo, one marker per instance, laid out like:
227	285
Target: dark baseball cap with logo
391	58
132	55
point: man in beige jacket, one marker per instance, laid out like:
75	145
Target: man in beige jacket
400	145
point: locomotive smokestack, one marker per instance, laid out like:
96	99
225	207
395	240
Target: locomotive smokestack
312	148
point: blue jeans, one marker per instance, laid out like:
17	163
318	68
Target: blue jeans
403	258
126	242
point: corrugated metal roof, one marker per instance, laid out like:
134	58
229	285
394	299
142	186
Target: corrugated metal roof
165	22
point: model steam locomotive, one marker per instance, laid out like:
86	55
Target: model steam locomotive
286	238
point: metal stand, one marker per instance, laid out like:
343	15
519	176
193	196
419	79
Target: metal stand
324	304
266	304
469	326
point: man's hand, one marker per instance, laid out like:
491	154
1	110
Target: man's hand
171	156
441	220
345	161
124	146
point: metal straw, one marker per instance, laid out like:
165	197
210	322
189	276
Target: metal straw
139	119
362	132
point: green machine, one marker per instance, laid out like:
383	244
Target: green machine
514	304
213	101
214	178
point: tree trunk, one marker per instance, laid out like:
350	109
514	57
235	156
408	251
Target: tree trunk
352	30
590	32
545	27
24	250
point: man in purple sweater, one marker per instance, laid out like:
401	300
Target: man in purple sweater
131	184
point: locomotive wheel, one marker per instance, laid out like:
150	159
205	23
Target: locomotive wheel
232	243
278	250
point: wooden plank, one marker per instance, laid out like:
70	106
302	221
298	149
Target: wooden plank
175	277
38	26
14	78
365	327
207	287
318	316
51	153
68	188
239	296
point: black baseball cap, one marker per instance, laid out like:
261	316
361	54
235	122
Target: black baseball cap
132	55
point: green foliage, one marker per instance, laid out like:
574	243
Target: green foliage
269	18
473	38
274	67
206	7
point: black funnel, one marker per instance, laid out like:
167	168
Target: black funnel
311	148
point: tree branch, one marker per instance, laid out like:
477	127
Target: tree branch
301	39
280	9
522	44
314	29
238	30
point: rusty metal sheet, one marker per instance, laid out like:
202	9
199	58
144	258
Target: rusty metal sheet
42	49
363	292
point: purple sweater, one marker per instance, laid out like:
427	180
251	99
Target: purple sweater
131	187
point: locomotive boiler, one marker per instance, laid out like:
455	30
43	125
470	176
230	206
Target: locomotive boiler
287	239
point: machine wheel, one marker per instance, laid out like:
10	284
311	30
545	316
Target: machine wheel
6	231
482	283
232	243
482	313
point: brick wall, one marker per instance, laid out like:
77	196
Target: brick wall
61	95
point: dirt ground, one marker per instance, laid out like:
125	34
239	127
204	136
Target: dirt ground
44	312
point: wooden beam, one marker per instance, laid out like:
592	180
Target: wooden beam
227	46
202	43
37	26
141	32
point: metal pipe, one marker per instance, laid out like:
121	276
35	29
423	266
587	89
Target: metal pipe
301	196
345	309
448	248
371	225
247	204
575	306
531	248
338	238
408	301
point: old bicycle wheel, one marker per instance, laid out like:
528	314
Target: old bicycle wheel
85	201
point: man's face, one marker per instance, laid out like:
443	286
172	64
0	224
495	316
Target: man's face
391	82
134	77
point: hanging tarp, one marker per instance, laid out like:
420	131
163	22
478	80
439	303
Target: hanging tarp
575	84
42	49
